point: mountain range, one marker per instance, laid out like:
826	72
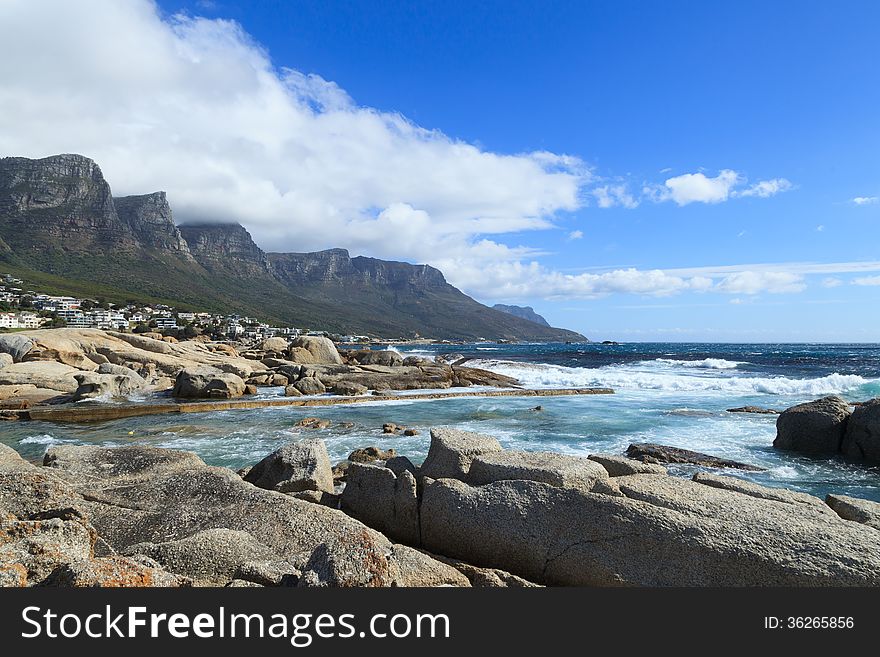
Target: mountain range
60	226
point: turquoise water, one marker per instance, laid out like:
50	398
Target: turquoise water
670	393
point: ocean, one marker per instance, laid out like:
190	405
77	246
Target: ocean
669	393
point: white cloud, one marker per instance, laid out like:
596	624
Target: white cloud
865	200
195	107
609	196
755	282
766	188
867	281
820	228
576	235
700	188
832	282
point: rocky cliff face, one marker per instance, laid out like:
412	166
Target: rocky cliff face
225	247
337	266
148	217
60	202
523	312
318	267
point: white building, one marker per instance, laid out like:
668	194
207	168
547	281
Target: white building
165	322
74	318
29	320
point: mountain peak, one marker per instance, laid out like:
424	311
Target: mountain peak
523	312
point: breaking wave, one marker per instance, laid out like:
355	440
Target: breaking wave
706	363
640	377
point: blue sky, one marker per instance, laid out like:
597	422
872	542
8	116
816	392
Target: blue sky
735	146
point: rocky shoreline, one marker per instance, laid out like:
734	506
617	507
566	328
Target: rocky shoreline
64	366
473	514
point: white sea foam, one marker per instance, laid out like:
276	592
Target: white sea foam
639	377
706	363
42	439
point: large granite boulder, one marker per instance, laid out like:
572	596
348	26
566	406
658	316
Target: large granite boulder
383	500
816	427
452	451
322	350
371	357
139	495
94	384
16	345
665	532
862	437
6	359
205	383
310	385
294	467
274	345
552	468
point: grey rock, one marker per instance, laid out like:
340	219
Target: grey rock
205	383
292	391
211	557
398	464
754	410
666	532
620	466
115	571
91	385
371	454
277	345
414	568
110	368
294	467
269	573
356	559
452	451
17	346
651	453
39	547
862	437
310	385
349	388
383	500
370	357
816	427
6	359
855	509
552	468
487	577
322	349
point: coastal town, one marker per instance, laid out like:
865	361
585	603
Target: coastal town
22	308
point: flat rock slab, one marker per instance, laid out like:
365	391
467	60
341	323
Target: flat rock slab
552	468
665	532
651	453
855	509
621	466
